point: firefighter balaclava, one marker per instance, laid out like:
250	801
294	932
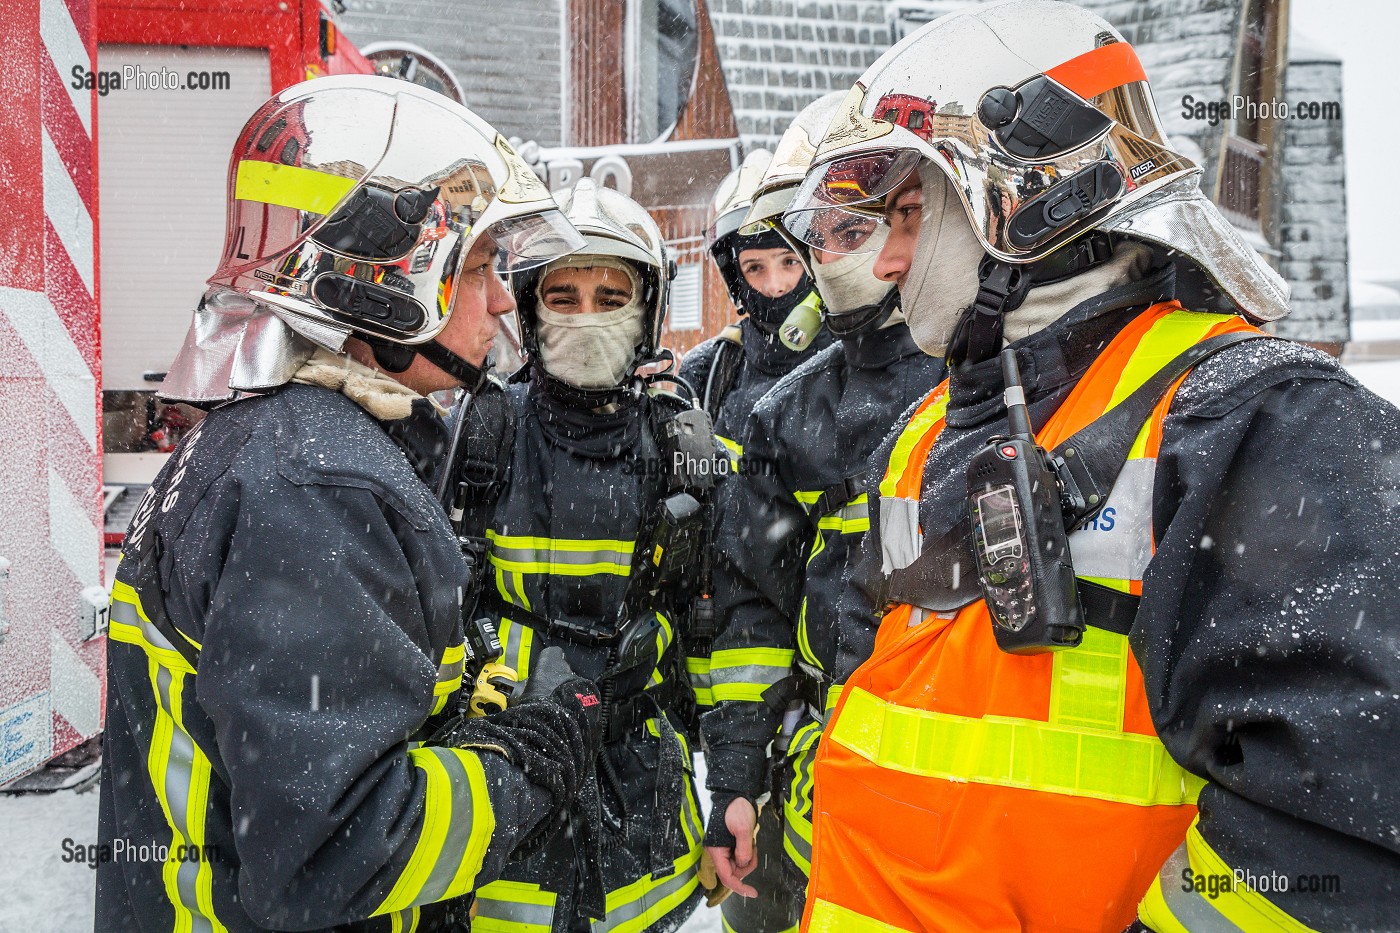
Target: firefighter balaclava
849	289
599	351
1038	116
596	350
352	202
726	241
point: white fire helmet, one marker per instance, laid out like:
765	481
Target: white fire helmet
615	226
352	203
1039	116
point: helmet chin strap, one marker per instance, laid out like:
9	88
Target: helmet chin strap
863	320
1003	286
397	357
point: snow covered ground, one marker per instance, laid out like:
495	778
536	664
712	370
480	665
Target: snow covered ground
45	895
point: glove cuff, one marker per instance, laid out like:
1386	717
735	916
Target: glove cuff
716	831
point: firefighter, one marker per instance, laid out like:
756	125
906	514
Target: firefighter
1219	508
591	543
287	648
771	289
769	286
790	522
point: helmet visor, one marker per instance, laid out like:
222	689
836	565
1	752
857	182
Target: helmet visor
838	230
856	180
530	240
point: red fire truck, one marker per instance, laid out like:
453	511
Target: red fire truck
114	202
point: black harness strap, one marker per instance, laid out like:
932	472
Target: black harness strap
724	370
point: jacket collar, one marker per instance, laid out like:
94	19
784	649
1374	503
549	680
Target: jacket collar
1060	354
880	348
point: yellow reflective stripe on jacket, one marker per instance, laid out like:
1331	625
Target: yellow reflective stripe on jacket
698	670
405	921
833	918
457	824
736	450
1231	907
517	644
797	806
302	189
449	679
560	556
851	518
745	673
130	625
179	772
1052	757
514	907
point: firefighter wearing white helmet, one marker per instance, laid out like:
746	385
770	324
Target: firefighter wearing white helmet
787	533
288	657
770	288
1086	698
593	538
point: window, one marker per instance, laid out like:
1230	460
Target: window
663	49
686	290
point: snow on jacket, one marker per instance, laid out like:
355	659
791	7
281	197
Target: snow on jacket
317	575
1267	632
782	545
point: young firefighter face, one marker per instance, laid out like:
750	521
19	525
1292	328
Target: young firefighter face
586	290
770	272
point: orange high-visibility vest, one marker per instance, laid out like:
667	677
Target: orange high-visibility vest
961	788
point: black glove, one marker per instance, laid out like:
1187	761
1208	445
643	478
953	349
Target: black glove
553	733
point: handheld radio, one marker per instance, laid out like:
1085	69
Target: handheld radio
1019	537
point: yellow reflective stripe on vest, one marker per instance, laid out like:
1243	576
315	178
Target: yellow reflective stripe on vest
1164	341
1054	758
517	643
456	828
560	556
1088	684
735	449
745	673
514	907
1230	907
919	425
833	918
